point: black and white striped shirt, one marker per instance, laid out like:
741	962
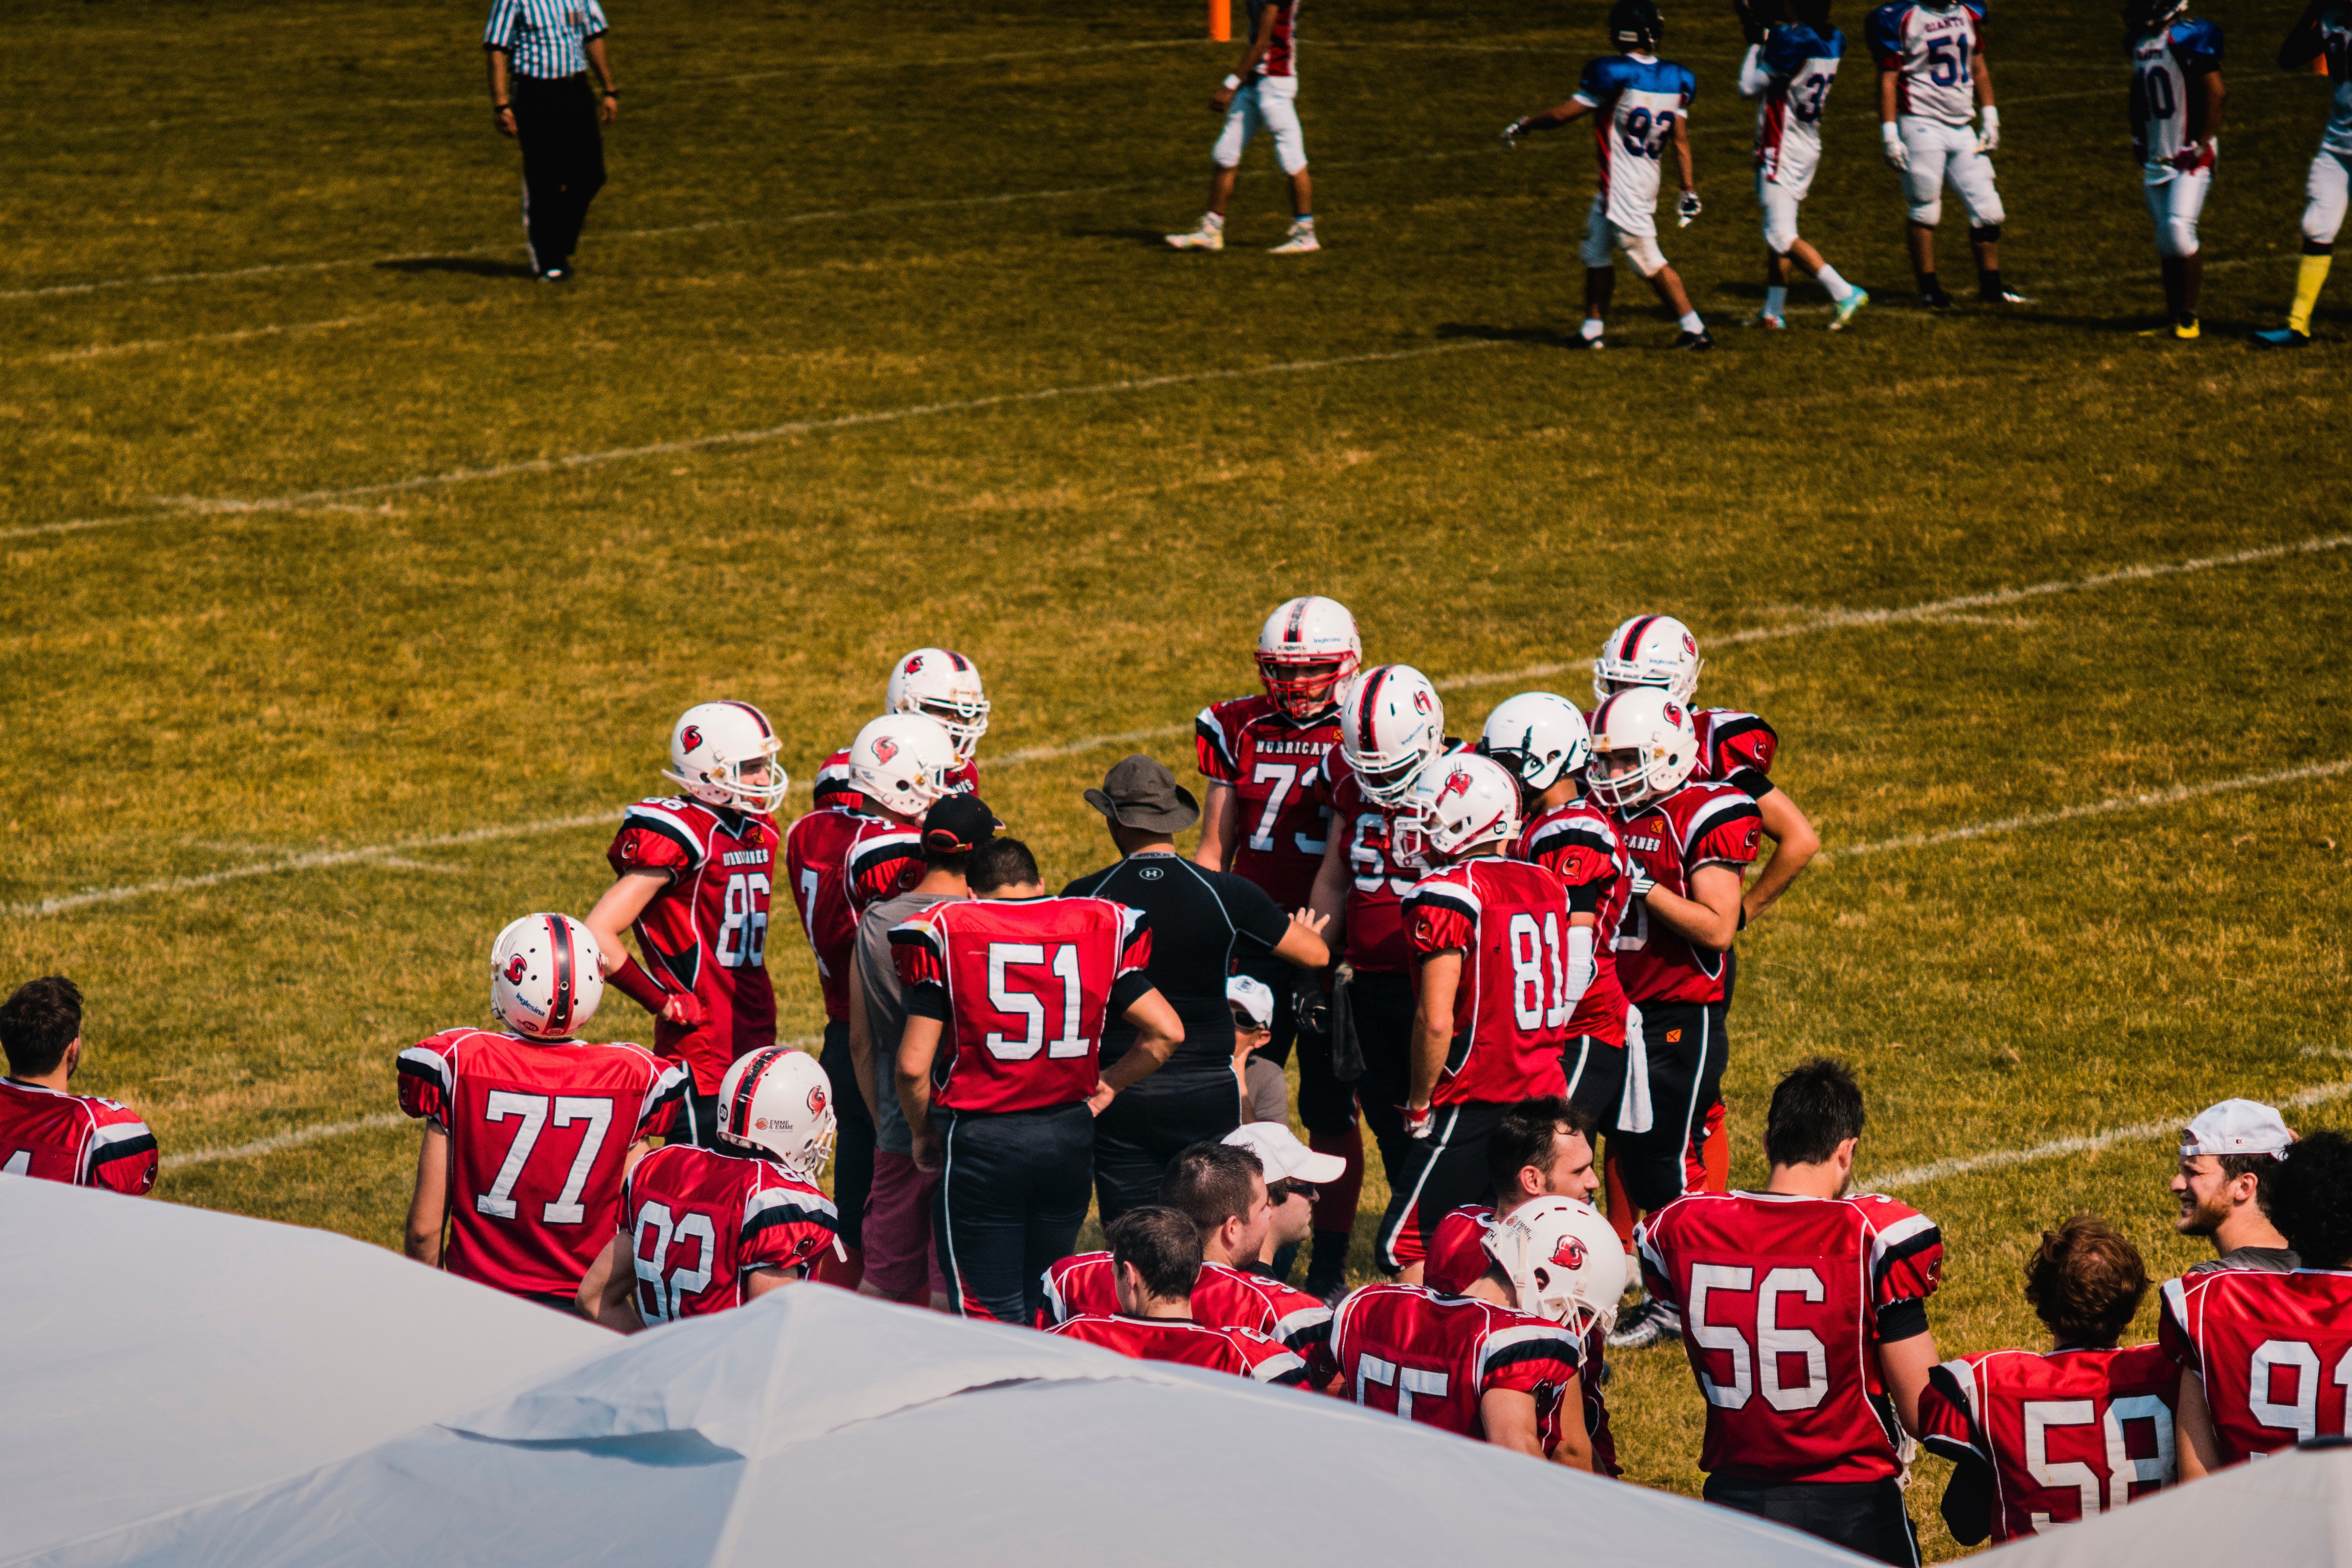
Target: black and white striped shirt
546	39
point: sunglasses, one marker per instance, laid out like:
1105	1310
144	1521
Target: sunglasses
1247	1024
1282	1192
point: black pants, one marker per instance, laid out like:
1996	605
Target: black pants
1685	1045
1381	1006
695	1120
1441	1174
1596	1080
1146	1128
1012	1195
562	162
1864	1517
852	1146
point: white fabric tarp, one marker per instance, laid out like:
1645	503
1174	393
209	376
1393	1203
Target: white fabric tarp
158	1355
818	1427
2293	1508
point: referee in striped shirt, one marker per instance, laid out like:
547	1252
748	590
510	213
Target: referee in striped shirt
541	53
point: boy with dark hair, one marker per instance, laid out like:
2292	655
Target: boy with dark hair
2230	1157
1155	1255
1542	1148
83	1140
2015	1422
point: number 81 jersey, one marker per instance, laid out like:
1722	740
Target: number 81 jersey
1637	103
1509	918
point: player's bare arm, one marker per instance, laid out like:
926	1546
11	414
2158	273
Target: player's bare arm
861	1046
1330	897
1223	98
1709	917
1158	1031
1683	157
918	1046
2205	113
1221	817
608	97
1551	119
1574	1449
758	1282
1509	1418
615	914
1903	1365
1303	944
501	92
2195	1447
1794	845
608	1291
428	1210
1432	1032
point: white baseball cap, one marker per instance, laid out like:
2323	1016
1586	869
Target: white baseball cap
1254	997
2237	1127
1282	1156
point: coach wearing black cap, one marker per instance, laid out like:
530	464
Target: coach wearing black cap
1201	920
541	54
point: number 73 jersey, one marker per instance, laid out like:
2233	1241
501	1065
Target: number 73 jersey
1024	986
1271	762
2273	1351
539	1134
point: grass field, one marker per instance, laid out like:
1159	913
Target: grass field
345	566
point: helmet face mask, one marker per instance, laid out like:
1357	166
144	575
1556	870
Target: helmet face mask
1392	726
1306	649
725	754
945	687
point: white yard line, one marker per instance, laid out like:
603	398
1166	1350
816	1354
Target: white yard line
149	345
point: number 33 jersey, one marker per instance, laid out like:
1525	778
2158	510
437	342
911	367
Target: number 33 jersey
1799	65
1636	102
706	930
539	1134
698	1220
2273	1351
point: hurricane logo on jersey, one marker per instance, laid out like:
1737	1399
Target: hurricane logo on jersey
691	739
1569	1253
885	748
517	967
1420	702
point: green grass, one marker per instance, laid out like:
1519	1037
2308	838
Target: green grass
197	690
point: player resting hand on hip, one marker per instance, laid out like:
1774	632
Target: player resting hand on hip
1932	78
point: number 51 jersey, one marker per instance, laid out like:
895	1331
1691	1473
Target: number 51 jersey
1024	986
1636	103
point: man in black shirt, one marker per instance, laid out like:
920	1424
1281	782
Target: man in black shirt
1201	920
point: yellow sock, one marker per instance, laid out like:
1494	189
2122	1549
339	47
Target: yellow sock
2307	280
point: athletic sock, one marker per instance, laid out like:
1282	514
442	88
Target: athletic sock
1305	223
1590	331
1213	221
1988	284
1691	323
1928	284
1776	302
1838	287
2308	280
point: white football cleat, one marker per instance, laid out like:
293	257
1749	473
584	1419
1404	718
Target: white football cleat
1301	241
1765	318
1208	236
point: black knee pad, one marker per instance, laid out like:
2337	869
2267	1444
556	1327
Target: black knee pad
2316	248
1986	235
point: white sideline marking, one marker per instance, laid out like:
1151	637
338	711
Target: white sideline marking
2091	1143
101	351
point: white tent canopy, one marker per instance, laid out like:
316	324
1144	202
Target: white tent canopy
816	1425
2294	1508
159	1355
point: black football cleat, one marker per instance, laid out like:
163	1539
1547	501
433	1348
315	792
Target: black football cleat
1695	342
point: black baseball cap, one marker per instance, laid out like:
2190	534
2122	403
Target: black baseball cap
958	825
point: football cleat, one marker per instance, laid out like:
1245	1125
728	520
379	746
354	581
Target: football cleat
1650	1322
1302	242
1848	308
1935	299
2186	329
2001	297
1693	340
1208	236
2283	338
1763	318
1584	343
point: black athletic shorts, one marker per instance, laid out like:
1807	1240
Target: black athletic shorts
1147	1126
1864	1517
1442	1173
853	1147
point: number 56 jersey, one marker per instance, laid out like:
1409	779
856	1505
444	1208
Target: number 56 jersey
2273	1351
539	1134
1636	102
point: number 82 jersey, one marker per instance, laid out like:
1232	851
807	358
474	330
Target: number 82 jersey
698	1220
1636	102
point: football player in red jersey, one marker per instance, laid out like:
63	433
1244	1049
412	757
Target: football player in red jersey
1805	1318
900	763
1542	1148
1392	727
528	1133
1006	995
2230	1157
1496	978
47	1131
2050	1437
937	683
1260	758
1154	1258
1503	1361
2267	1356
1540	739
703	1230
695	873
1686	846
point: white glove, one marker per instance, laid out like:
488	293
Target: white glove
1898	157
1641	883
1511	134
1990	137
1687	209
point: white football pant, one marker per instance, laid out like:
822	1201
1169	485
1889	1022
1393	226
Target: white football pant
1942	155
1603	239
2324	195
1270	102
1779	204
2175	203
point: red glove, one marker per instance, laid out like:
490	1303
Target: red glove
640	987
685	1010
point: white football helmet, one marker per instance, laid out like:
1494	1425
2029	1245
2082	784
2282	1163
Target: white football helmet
1648	650
1457	805
901	760
1538	737
547	976
711	747
942	686
1564	1261
778	1100
1307	648
1642	747
1391	725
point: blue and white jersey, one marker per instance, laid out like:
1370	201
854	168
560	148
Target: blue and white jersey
1933	50
2330	39
1636	102
2166	65
1792	70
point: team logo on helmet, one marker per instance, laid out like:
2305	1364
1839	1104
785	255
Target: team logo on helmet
1569	1253
517	967
885	748
1674	714
914	663
1456	782
691	737
1420	702
1690	643
816	1100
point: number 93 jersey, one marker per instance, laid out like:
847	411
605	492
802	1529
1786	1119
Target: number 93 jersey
2166	66
1024	986
706	930
1933	53
1785	1302
539	1133
1637	101
2273	1351
1509	918
698	1220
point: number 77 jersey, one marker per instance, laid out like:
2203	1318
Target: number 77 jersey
2273	1351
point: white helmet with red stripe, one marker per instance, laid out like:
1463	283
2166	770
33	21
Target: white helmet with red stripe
1307	648
1539	737
778	1100
1648	650
901	762
547	976
1457	805
1392	726
1643	746
1564	1261
943	686
716	745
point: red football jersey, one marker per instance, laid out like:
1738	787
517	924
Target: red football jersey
1785	1302
815	851
2274	1352
2067	1434
884	858
1429	1358
699	1220
539	1134
1377	885
833	788
1509	920
1029	984
707	931
1735	748
1577	842
1271	761
1188	1344
1084	1284
1699	824
82	1140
